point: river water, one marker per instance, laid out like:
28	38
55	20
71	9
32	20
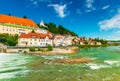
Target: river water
22	67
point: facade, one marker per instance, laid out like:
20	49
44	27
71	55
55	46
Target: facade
41	31
67	40
63	40
58	39
15	25
35	39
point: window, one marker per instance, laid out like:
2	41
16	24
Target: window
41	44
30	39
35	39
9	29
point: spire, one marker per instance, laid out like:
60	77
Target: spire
42	23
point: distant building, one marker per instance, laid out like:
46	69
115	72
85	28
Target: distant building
15	25
68	39
39	30
42	24
58	39
98	43
35	39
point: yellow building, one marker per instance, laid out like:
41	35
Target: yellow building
15	25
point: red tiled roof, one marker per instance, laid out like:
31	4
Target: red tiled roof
17	20
35	35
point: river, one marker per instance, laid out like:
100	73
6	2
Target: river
22	67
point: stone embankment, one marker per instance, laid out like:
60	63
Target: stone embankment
55	51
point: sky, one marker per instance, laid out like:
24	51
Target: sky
90	18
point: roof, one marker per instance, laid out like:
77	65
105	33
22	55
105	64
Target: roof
35	35
17	20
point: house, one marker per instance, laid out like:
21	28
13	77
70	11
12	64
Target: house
91	41
58	39
67	40
15	25
35	39
98	43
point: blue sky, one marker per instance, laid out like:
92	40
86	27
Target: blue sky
90	18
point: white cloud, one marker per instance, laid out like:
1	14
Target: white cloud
60	9
105	7
89	5
36	2
112	23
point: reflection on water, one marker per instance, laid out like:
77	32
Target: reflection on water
21	67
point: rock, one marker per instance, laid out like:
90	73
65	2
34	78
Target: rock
72	61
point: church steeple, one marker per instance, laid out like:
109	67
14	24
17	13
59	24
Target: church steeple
42	24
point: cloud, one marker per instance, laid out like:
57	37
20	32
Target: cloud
36	2
89	5
105	7
60	9
112	23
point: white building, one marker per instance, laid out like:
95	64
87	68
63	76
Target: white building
35	39
42	24
58	40
64	40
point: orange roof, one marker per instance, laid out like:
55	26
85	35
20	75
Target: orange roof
17	20
35	35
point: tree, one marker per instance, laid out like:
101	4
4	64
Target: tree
57	29
25	17
49	48
32	49
9	14
33	31
10	40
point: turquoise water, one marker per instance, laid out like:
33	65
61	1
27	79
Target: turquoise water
21	67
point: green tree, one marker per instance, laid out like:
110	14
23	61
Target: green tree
49	48
32	49
25	17
10	40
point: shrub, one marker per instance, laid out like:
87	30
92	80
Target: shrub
25	51
49	48
19	50
39	49
32	49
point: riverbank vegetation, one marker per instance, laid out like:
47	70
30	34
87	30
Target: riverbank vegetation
34	49
10	40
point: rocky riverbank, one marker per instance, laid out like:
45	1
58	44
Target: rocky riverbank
55	51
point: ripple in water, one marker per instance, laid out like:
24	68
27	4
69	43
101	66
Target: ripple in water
11	65
94	66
